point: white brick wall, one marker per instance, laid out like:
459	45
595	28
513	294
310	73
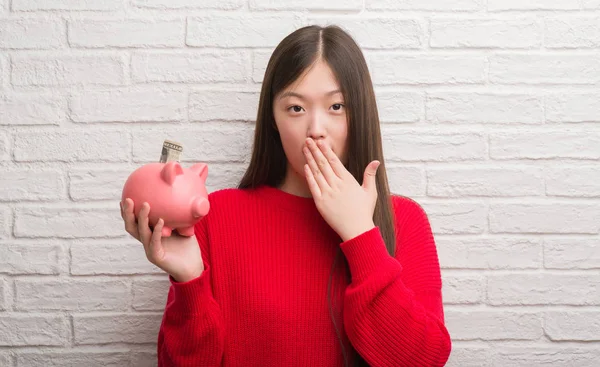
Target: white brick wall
491	120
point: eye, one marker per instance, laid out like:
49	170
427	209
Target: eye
295	108
338	105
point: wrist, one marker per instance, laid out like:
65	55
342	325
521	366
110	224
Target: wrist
186	277
357	231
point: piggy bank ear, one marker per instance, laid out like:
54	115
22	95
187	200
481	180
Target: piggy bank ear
201	169
170	171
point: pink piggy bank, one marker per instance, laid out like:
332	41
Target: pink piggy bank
175	194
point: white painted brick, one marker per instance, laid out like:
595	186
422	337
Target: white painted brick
390	68
5	359
499	5
150	294
4	146
257	30
489	253
259	64
487	33
485	181
97	184
572	32
473	324
3	300
72	295
576	182
228	142
434	5
68	222
75	358
399	106
71	146
148	105
78	5
457	218
191	67
463	289
591	4
543	289
69	70
32	109
573	107
30	258
468	356
401	145
485	108
571	253
114	328
545	145
546	217
572	325
223	105
392	32
306	5
5	214
24	184
24	330
131	33
189	4
544	68
32	34
224	175
111	259
406	181
542	356
144	358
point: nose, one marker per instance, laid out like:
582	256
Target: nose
317	126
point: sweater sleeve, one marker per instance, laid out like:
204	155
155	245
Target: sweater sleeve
393	311
192	329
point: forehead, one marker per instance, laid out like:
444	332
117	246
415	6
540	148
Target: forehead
317	81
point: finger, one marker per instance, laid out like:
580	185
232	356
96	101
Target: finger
143	228
129	216
314	168
312	183
155	248
322	161
334	161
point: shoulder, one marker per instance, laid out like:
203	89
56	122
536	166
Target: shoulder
404	206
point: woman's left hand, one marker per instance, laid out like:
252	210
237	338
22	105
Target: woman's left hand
345	205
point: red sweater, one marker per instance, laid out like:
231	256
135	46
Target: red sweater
262	298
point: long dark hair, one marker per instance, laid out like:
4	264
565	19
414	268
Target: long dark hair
297	52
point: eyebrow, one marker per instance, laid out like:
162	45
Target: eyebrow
294	94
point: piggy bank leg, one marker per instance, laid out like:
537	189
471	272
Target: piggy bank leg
187	231
166	231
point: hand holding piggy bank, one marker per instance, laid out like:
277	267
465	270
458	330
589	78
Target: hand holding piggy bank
175	194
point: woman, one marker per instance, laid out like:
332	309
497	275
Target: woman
310	261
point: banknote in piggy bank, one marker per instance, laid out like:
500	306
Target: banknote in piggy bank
177	195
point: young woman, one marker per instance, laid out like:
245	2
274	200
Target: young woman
310	261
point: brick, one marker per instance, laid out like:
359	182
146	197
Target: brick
4	146
485	181
484	33
545	145
97	184
255	30
224	175
68	358
189	4
150	294
545	217
32	109
476	324
24	330
468	356
591	4
543	289
21	184
31	34
113	259
144	359
489	253
463	289
541	356
5	221
392	32
223	105
152	105
406	181
115	328
573	107
484	108
305	5
68	222
408	146
500	5
72	295
572	325
389	68
396	106
30	259
75	5
572	32
457	218
573	182
71	146
544	69
5	358
229	143
432	5
571	253
69	70
131	33
259	64
190	67
3	298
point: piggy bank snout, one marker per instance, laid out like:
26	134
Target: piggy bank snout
200	207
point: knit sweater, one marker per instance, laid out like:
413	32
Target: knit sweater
262	298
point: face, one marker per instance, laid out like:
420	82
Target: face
312	107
